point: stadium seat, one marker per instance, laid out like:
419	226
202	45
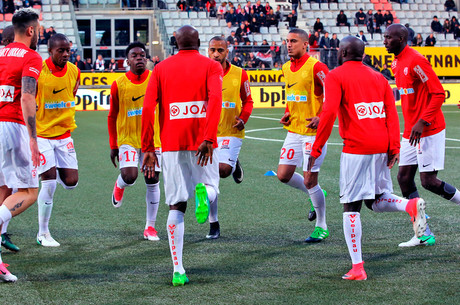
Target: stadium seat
202	15
342	6
214	22
352	6
378	6
315	6
423	7
222	22
46	8
205	22
335	29
439	7
68	24
55	2
174	15
368	6
267	37
183	15
207	30
273	30
169	31
258	37
69	32
93	2
387	7
57	16
344	30
405	6
165	15
65	8
410	15
283	24
193	15
177	23
276	37
168	22
431	7
327	14
114	2
171	6
427	1
333	6
195	22
66	16
46	16
59	24
263	30
306	6
47	2
414	22
424	22
310	15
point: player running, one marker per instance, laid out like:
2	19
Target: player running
124	123
188	89
304	76
20	67
57	86
237	106
7	38
424	137
369	126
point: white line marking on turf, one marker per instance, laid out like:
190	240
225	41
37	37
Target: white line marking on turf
264	118
263	129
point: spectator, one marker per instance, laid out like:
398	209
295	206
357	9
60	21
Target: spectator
181	5
18	4
236	61
200	5
49	32
284	52
113	65
258	8
276	52
241	33
325	46
313	40
173	43
267	8
453	23
242	17
292	19
386	72
99	64
271	19
222	10
232	18
262	21
247	8
295	5
73	52
457	32
430	41
418	40
191	5
232	38
335	42
252	61
149	65
449	5
362	37
411	34
436	25
88	64
278	13
388	18
42	35
156	60
211	8
380	19
79	63
369	16
360	17
342	19
333	52
255	25
446	27
318	26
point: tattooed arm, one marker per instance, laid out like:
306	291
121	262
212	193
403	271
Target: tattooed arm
29	106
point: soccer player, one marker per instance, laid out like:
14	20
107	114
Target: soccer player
57	86
124	123
237	106
188	89
304	76
20	67
369	126
7	38
423	140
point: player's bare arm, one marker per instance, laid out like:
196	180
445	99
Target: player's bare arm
114	156
149	163
314	122
392	160
239	123
286	119
417	131
204	153
29	105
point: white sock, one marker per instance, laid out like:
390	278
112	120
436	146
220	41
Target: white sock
45	205
175	227
5	226
212	194
5	214
121	183
319	202
456	197
152	200
213	210
353	231
297	182
389	203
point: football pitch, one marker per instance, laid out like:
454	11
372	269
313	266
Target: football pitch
260	258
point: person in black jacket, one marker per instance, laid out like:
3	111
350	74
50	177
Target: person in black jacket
436	25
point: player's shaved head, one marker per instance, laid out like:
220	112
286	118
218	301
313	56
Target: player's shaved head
218	39
187	38
351	49
8	35
302	34
395	38
55	39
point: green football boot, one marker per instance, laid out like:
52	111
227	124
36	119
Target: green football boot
202	203
179	279
317	236
6	242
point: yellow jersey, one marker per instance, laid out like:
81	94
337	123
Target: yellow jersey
300	96
56	100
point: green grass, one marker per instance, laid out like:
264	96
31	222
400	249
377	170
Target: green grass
260	258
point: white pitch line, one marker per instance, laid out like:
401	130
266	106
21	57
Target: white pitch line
274	119
263	129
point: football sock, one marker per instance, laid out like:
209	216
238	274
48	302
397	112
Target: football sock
175	228
5	226
389	203
297	182
121	183
449	192
319	202
212	194
5	214
352	230
213	210
45	205
152	200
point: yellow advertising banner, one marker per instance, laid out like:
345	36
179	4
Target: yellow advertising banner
274	96
98	79
445	61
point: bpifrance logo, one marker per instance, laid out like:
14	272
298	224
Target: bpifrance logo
370	110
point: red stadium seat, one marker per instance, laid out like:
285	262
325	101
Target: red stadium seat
387	7
378	6
8	17
374	1
383	1
1	17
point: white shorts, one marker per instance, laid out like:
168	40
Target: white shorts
229	149
297	148
56	153
363	177
16	168
181	174
428	154
129	156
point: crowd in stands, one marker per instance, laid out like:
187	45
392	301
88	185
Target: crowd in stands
10	6
113	65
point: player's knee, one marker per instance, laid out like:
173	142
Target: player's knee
224	172
310	184
428	183
283	178
70	182
129	178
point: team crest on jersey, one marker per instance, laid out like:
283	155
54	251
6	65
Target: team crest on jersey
420	73
308	147
187	110
406	70
225	144
34	173
370	110
228	105
70	147
6	93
